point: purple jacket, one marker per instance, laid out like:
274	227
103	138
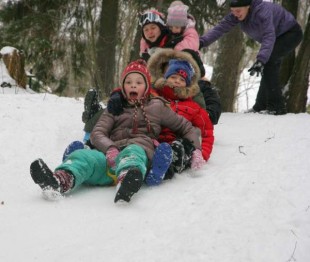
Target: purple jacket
264	23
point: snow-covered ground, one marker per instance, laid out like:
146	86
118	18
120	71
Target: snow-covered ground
249	203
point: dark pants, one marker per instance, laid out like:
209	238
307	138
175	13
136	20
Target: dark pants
269	94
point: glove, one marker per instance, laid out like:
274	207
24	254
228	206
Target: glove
115	103
197	160
201	44
257	68
111	155
145	56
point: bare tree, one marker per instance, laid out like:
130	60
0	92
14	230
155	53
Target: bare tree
227	67
288	62
106	46
299	81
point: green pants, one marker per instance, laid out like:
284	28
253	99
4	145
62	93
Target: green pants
90	166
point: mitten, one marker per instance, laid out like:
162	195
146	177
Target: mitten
115	103
257	68
197	160
111	155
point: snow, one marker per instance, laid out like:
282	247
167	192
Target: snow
250	202
7	50
4	75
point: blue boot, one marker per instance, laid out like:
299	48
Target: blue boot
75	145
160	163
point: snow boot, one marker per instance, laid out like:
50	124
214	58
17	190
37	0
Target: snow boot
276	110
129	182
178	156
182	154
54	185
75	145
43	176
91	105
160	163
170	172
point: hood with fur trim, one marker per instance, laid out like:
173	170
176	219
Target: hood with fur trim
157	65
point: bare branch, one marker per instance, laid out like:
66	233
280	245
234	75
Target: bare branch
240	151
268	138
292	256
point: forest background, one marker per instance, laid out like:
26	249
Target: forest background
73	45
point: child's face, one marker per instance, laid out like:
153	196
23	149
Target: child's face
176	81
175	29
151	32
134	86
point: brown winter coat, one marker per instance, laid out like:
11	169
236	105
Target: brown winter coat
118	130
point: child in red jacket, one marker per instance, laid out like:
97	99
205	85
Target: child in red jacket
176	77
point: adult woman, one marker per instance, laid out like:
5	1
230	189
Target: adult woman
278	33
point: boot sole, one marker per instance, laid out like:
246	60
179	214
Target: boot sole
89	98
161	161
43	176
130	185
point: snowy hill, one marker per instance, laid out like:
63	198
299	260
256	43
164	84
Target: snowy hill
250	202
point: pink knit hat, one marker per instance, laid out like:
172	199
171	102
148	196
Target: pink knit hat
177	15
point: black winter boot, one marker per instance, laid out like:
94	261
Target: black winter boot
276	109
182	154
91	105
189	149
128	184
178	156
54	185
43	176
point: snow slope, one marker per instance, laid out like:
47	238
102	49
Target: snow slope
249	203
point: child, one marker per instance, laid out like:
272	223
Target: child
123	143
182	25
177	82
154	32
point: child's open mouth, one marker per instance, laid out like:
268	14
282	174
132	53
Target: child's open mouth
133	95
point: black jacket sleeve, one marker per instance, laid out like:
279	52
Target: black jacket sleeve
212	100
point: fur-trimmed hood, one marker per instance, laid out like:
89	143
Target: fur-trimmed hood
157	65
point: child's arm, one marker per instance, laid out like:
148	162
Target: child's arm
180	125
212	100
190	40
144	50
99	137
202	121
116	102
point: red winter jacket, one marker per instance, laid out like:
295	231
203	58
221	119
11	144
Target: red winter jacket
198	117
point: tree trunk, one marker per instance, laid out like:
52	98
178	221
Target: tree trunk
134	52
226	71
299	82
288	62
106	46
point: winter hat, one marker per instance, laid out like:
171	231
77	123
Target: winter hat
174	3
138	66
180	67
177	14
152	16
239	3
